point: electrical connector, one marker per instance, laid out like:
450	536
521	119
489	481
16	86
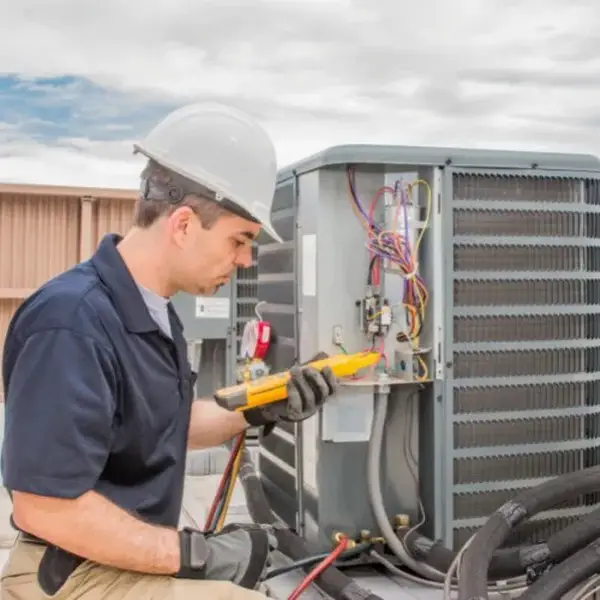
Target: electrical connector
376	318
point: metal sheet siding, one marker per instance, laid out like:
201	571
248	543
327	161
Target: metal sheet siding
39	237
46	230
111	215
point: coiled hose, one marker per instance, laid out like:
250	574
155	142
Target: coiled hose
512	562
332	581
565	576
478	556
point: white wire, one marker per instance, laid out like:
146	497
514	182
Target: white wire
513	589
412	464
455	567
591	588
257	312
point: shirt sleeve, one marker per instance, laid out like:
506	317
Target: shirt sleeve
59	416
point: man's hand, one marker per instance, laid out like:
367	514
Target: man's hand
307	391
238	553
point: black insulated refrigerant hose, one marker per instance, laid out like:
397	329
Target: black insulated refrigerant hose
513	562
565	576
477	558
332	581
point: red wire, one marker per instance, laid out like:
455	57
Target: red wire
324	564
374	200
226	472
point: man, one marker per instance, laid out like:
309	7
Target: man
98	387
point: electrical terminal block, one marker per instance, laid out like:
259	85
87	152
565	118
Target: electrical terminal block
376	315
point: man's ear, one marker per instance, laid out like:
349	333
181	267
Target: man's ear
181	218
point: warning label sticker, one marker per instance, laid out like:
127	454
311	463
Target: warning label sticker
212	308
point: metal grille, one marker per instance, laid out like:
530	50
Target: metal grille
277	276
521	258
246	296
526	340
532	292
277	295
513	328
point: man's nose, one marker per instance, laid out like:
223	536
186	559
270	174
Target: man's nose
244	257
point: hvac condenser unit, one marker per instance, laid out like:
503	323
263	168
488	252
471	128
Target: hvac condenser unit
477	274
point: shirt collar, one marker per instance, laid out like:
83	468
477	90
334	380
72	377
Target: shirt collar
122	288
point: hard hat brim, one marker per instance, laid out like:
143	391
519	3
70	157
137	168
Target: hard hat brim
270	230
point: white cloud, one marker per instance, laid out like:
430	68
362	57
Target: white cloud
494	73
79	162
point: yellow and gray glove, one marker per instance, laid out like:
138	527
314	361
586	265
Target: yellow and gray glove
239	553
307	391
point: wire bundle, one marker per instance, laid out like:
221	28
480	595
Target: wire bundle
215	521
217	514
395	247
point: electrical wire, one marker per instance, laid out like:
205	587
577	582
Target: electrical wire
513	588
218	513
220	505
311	560
393	246
402	257
229	493
411	460
590	589
326	563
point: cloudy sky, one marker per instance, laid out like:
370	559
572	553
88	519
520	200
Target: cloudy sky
80	81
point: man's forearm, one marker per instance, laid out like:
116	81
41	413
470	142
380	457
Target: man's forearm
211	425
96	529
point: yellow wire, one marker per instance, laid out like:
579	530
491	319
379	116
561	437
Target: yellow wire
235	469
425	374
422	301
400	241
428	213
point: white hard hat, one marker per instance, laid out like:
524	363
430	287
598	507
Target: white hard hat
222	149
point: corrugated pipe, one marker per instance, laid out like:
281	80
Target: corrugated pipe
478	556
512	562
565	576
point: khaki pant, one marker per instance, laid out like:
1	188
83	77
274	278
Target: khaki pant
95	582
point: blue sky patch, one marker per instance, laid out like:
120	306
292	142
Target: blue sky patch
49	109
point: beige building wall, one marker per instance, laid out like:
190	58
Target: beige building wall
45	230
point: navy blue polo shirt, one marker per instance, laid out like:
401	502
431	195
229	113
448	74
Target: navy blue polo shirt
97	397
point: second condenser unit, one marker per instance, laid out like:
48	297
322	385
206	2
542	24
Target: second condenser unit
477	276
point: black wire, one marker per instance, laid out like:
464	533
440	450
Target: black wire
371	268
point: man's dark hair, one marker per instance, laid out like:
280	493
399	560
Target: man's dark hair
152	206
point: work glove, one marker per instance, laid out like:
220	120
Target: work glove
307	391
239	553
